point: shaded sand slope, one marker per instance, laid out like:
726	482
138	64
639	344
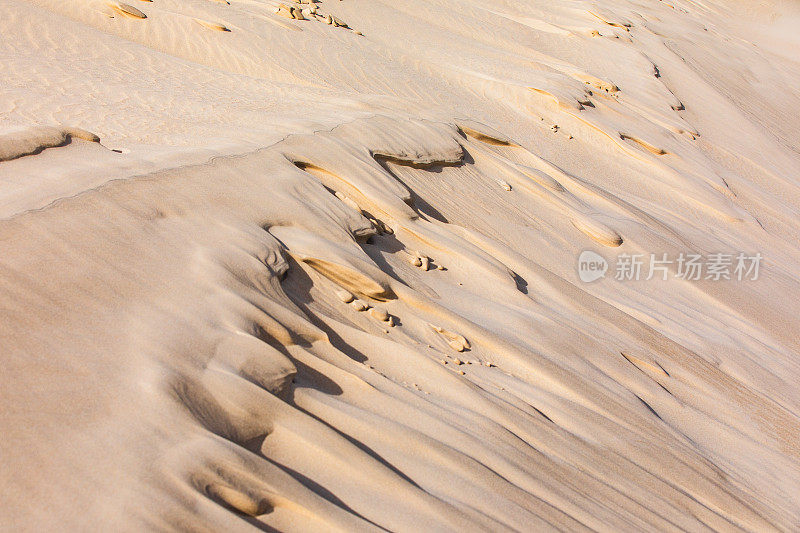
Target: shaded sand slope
300	278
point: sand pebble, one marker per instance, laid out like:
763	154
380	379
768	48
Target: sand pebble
358	305
379	314
420	260
345	296
458	345
457	342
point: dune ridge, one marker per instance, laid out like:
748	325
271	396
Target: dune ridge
304	279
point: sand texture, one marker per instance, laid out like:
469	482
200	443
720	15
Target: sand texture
312	266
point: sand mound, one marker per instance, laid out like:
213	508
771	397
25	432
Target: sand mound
313	280
32	141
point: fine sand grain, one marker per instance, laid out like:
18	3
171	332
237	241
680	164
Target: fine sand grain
311	266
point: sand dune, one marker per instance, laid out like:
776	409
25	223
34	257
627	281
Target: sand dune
312	266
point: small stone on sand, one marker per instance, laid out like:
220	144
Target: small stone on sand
345	296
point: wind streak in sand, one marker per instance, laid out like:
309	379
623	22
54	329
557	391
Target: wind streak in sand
377	324
241	368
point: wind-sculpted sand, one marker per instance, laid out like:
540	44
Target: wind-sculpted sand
314	275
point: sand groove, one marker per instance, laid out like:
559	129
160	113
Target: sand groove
34	140
300	295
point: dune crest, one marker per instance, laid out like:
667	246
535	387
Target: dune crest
314	280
